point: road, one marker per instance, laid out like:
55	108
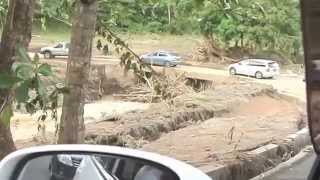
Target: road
297	168
289	84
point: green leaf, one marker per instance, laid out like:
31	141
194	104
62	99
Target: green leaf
36	58
23	54
45	69
22	92
6	114
23	70
41	89
7	81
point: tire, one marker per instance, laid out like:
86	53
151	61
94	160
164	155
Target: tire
258	75
233	71
47	55
167	64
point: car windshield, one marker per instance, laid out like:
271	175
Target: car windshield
162	54
58	46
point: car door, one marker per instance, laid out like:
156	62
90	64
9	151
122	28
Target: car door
252	68
242	67
58	49
66	49
152	58
162	59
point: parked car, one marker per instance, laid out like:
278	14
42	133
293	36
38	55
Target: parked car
161	58
60	49
258	68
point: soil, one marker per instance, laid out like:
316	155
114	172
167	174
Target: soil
25	126
261	120
251	120
216	125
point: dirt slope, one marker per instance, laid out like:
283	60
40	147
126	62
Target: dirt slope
262	119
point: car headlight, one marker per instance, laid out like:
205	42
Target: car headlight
65	159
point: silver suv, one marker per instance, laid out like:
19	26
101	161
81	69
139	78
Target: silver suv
60	49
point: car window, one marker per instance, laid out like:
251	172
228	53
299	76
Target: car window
244	62
272	64
58	46
163	55
257	65
154	54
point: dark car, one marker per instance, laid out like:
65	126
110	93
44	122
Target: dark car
64	167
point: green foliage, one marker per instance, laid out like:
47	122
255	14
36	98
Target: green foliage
260	25
155	27
6	114
7	81
45	69
26	87
128	58
3	12
58	10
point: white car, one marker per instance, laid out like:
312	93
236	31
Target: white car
258	68
60	49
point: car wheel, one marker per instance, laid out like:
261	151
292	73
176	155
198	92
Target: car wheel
232	71
259	75
167	64
47	55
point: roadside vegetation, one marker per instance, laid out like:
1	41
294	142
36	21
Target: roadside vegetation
232	28
210	31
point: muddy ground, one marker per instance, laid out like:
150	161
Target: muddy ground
212	126
262	119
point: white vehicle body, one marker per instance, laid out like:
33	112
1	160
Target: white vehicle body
60	49
259	68
184	171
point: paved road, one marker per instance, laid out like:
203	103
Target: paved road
297	168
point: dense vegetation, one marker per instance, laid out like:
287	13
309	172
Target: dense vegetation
256	26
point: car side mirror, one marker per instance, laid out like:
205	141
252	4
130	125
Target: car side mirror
94	162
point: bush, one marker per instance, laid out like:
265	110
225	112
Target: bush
154	27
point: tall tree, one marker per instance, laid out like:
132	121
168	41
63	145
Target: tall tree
17	30
72	127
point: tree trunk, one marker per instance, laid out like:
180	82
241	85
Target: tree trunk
17	30
169	13
72	127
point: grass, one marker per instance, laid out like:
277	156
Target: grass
53	32
185	45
